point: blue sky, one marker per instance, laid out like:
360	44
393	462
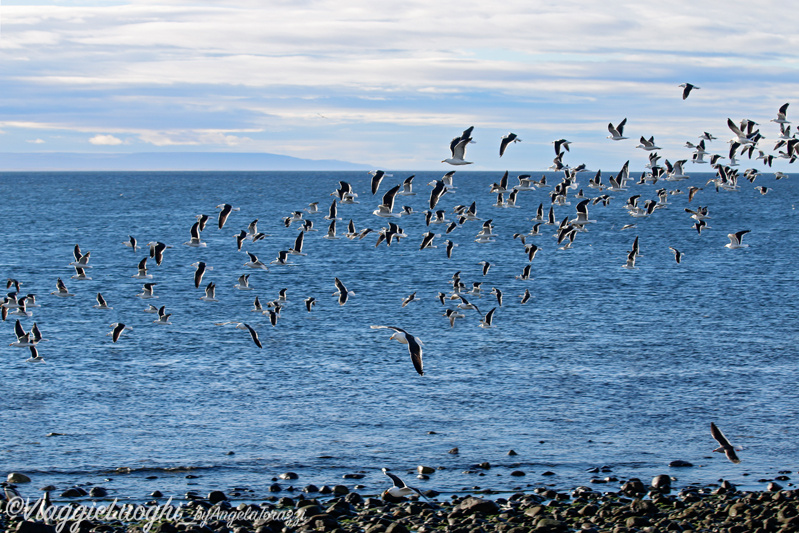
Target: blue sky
389	84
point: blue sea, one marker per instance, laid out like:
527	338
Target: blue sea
604	366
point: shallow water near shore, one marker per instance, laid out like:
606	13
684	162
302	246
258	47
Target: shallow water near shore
604	366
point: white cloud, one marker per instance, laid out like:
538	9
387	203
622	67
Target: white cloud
36	141
107	140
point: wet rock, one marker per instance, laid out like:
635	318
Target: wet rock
679	463
471	505
548	473
98	492
310	488
550	524
661	483
353	498
773	487
425	469
274	487
485	465
34	527
453	451
643	507
216	496
16	477
353	476
512	452
633	487
517	473
288	475
74	492
422	476
397	527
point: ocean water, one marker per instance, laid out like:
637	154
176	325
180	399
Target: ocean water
603	366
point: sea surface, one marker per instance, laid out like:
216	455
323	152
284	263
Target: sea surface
604	366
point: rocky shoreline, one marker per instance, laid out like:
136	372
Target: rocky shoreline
635	507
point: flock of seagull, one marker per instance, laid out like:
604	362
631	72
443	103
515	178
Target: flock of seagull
746	141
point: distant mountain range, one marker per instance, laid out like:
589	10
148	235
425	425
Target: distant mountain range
167	161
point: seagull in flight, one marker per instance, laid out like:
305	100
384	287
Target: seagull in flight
724	445
617	133
506	140
686	89
458	148
414	345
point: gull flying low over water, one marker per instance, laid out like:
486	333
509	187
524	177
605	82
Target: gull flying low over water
254	262
195	241
677	254
407	187
414	345
35	357
342	292
243	283
141	272
157	251
200	268
377	177
163	316
116	331
62	290
735	240
399	489
210	293
131	243
147	291
101	303
226	209
724	445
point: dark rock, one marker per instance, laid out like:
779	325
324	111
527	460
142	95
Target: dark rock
353	498
74	492
353	476
340	490
512	452
98	492
288	475
679	463
471	505
485	465
517	473
643	507
773	487
285	502
274	487
633	487
156	494
34	527
397	527
662	483
216	496
548	473
165	527
453	451
310	488
550	524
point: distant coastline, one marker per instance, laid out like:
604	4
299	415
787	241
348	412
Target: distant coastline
162	161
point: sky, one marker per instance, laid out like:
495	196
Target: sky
389	84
